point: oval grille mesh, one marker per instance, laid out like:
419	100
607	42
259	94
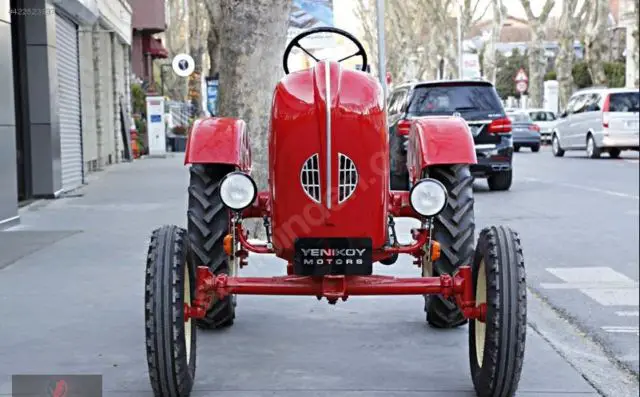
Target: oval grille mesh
348	177
310	178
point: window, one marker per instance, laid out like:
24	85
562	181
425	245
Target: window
542	116
478	99
592	103
579	105
624	102
395	102
519	117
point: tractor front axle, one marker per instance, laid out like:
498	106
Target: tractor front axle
334	287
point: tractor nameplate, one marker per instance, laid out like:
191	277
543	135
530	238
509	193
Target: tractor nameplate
322	256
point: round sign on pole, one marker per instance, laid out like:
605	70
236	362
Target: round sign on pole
521	86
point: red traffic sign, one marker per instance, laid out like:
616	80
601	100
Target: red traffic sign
521	75
521	86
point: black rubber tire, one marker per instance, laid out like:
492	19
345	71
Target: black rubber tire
500	181
596	150
535	148
516	148
171	372
614	153
208	224
498	374
556	149
454	229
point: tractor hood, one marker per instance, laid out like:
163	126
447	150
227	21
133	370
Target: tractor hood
328	156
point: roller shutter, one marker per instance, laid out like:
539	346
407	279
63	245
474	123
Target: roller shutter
69	112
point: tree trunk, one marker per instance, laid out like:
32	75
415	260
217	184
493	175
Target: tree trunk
537	65
595	42
566	54
196	45
213	36
252	39
489	57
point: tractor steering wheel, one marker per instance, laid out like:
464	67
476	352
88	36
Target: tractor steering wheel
296	43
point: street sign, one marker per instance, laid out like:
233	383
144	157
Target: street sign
521	76
521	86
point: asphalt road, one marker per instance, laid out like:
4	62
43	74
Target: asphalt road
578	219
72	284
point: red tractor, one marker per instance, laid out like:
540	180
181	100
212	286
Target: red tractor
329	213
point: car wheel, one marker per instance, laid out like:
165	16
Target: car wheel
614	153
500	181
555	146
593	151
535	148
454	230
208	224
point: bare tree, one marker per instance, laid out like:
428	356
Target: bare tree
489	58
596	41
537	59
572	20
213	35
176	42
252	39
198	25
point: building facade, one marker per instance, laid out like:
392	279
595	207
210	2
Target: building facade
64	73
150	17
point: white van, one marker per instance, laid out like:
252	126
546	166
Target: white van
599	120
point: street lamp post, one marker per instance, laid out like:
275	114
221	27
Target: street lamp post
382	72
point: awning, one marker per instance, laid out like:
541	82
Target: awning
154	47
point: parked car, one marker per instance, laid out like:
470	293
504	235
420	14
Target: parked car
477	102
599	120
525	132
544	119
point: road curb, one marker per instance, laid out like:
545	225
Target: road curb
608	377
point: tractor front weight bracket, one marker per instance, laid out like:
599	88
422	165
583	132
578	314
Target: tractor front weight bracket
335	287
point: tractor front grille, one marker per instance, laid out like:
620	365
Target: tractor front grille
310	177
348	177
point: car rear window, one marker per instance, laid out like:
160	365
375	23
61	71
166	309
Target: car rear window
624	102
542	116
470	100
519	117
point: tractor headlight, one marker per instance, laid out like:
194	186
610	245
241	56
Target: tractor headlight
238	191
428	197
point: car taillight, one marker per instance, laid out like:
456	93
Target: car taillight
500	126
534	127
404	126
605	111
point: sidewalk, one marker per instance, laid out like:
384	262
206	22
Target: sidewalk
71	301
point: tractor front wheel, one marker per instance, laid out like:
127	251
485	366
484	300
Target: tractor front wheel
208	224
496	346
171	339
454	230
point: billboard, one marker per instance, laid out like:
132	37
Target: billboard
307	14
470	66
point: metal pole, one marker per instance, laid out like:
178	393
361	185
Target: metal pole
381	48
460	69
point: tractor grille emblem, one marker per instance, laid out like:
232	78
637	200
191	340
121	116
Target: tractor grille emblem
310	178
348	177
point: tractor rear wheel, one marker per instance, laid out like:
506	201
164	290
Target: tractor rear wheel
208	224
496	346
454	229
169	287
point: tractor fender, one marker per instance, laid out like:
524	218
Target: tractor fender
219	140
438	141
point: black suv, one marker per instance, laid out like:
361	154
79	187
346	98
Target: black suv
474	100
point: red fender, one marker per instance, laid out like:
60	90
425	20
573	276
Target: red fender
219	140
439	140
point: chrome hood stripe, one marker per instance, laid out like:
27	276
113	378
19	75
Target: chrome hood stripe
327	99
